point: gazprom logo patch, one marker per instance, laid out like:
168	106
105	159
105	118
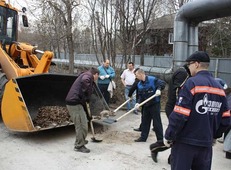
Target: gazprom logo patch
206	106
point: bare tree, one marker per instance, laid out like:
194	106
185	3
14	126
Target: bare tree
61	16
219	37
103	27
174	5
119	26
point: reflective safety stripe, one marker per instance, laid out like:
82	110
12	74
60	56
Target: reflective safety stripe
207	89
226	114
182	110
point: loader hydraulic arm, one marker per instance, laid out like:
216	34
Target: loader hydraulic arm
21	60
45	62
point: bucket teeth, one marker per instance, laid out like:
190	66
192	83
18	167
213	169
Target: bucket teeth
38	127
52	125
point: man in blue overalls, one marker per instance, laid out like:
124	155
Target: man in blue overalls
147	87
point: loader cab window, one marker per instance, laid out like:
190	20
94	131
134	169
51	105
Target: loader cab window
8	25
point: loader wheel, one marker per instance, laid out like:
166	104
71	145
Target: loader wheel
3	81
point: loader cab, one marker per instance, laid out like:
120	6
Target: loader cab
8	25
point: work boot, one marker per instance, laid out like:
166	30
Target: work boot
228	155
140	140
137	129
154	156
169	159
82	149
158	146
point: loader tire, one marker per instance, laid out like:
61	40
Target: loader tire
3	81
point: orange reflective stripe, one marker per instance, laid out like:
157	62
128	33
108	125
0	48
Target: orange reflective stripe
182	110
226	114
207	89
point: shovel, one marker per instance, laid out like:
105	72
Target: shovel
112	113
110	121
123	104
92	128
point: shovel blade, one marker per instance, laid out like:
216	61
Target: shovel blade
96	140
109	121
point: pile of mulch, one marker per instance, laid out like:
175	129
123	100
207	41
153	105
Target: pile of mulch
51	116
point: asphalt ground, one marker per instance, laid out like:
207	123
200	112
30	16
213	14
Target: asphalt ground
53	149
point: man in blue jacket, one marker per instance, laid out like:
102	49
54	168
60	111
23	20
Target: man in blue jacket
200	115
147	87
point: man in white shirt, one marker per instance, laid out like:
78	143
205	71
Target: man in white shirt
128	78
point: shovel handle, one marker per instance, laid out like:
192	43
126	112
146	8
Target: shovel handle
92	129
91	124
141	104
123	104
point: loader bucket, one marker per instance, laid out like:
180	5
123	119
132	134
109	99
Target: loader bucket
37	102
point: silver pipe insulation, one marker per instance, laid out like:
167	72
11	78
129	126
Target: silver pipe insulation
186	25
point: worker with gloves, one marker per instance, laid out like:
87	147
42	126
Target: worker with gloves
200	115
177	81
106	74
147	87
76	101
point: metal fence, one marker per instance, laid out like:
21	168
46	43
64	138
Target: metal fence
219	67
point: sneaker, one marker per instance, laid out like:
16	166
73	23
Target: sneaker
82	149
220	140
140	140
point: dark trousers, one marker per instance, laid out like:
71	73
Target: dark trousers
105	93
168	110
190	157
150	113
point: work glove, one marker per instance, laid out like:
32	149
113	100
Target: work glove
102	77
137	106
167	143
158	92
107	76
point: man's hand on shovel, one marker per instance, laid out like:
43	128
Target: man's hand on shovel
158	92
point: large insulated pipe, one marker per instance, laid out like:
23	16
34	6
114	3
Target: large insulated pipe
186	25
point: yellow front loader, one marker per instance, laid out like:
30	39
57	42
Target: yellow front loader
32	99
26	87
